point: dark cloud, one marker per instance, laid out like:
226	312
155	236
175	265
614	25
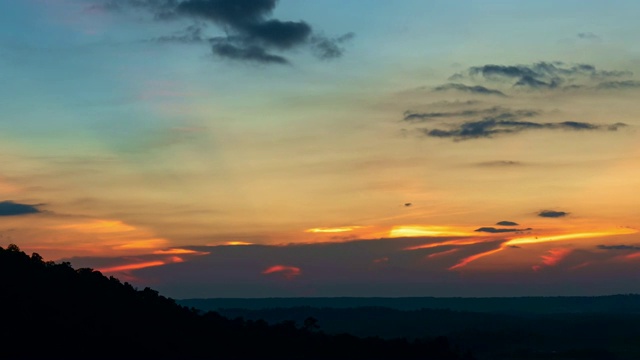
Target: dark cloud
477	89
490	127
588	36
552	213
236	13
507	223
499	230
10	208
251	35
496	112
329	48
618	247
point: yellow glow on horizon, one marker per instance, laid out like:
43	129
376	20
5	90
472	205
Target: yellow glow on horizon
427	230
329	230
142	244
237	243
98	226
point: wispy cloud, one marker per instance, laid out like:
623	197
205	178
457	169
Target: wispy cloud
472	89
496	112
491	127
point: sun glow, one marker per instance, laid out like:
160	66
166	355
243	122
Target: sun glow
330	230
426	230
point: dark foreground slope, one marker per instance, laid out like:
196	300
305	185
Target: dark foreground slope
53	311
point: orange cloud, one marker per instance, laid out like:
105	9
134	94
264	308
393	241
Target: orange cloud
475	257
178	251
442	253
445	243
134	266
141	265
289	272
109	235
633	256
381	260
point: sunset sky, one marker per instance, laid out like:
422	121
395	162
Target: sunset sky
257	148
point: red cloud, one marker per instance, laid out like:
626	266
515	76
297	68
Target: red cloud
289	272
552	258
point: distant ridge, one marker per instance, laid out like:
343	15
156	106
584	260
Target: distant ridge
628	303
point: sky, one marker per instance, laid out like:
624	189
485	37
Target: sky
263	148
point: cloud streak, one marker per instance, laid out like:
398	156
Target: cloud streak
471	89
491	127
496	112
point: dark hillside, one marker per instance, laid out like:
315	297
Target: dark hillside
50	310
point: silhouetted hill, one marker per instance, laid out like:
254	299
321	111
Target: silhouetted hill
50	310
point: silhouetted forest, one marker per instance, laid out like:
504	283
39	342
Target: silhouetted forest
487	335
51	310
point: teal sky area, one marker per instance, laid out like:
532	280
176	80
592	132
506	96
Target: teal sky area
454	146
